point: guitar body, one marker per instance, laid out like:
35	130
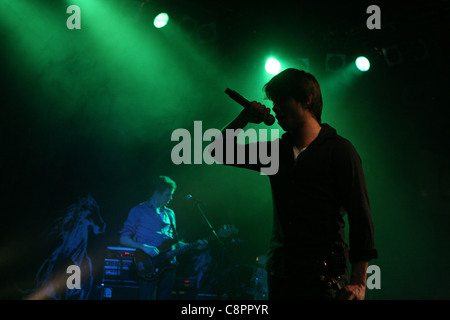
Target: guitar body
149	268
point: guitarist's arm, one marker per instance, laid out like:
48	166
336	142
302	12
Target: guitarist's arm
128	242
201	244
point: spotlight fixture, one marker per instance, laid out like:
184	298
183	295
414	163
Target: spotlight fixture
272	66
335	62
362	63
161	20
392	55
410	51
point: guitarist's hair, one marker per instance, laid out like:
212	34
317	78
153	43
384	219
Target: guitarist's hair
162	183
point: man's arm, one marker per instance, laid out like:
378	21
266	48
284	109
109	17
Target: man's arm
356	203
356	289
254	113
129	230
128	242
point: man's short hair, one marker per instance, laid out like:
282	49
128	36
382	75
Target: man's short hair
299	85
162	183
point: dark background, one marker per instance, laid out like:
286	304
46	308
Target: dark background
92	111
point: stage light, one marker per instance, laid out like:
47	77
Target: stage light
335	62
362	63
392	55
161	20
272	66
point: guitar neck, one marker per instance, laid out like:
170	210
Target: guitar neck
186	248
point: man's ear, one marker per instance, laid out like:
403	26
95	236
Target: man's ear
308	102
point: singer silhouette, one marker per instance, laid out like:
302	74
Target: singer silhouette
320	179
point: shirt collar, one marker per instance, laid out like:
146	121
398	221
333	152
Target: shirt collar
327	132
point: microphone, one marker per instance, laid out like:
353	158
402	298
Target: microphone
270	119
190	197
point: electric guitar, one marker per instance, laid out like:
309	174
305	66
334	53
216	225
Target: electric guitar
149	268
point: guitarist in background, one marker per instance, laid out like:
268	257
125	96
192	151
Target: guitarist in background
147	227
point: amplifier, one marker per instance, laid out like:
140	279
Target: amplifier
119	266
120	252
116	270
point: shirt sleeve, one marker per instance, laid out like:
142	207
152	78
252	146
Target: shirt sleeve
355	201
173	222
130	225
254	156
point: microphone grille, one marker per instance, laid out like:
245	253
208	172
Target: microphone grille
270	120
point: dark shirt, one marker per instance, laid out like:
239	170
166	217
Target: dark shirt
311	195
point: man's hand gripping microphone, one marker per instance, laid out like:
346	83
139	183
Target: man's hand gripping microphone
269	120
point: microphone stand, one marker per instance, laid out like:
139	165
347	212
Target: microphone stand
207	223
